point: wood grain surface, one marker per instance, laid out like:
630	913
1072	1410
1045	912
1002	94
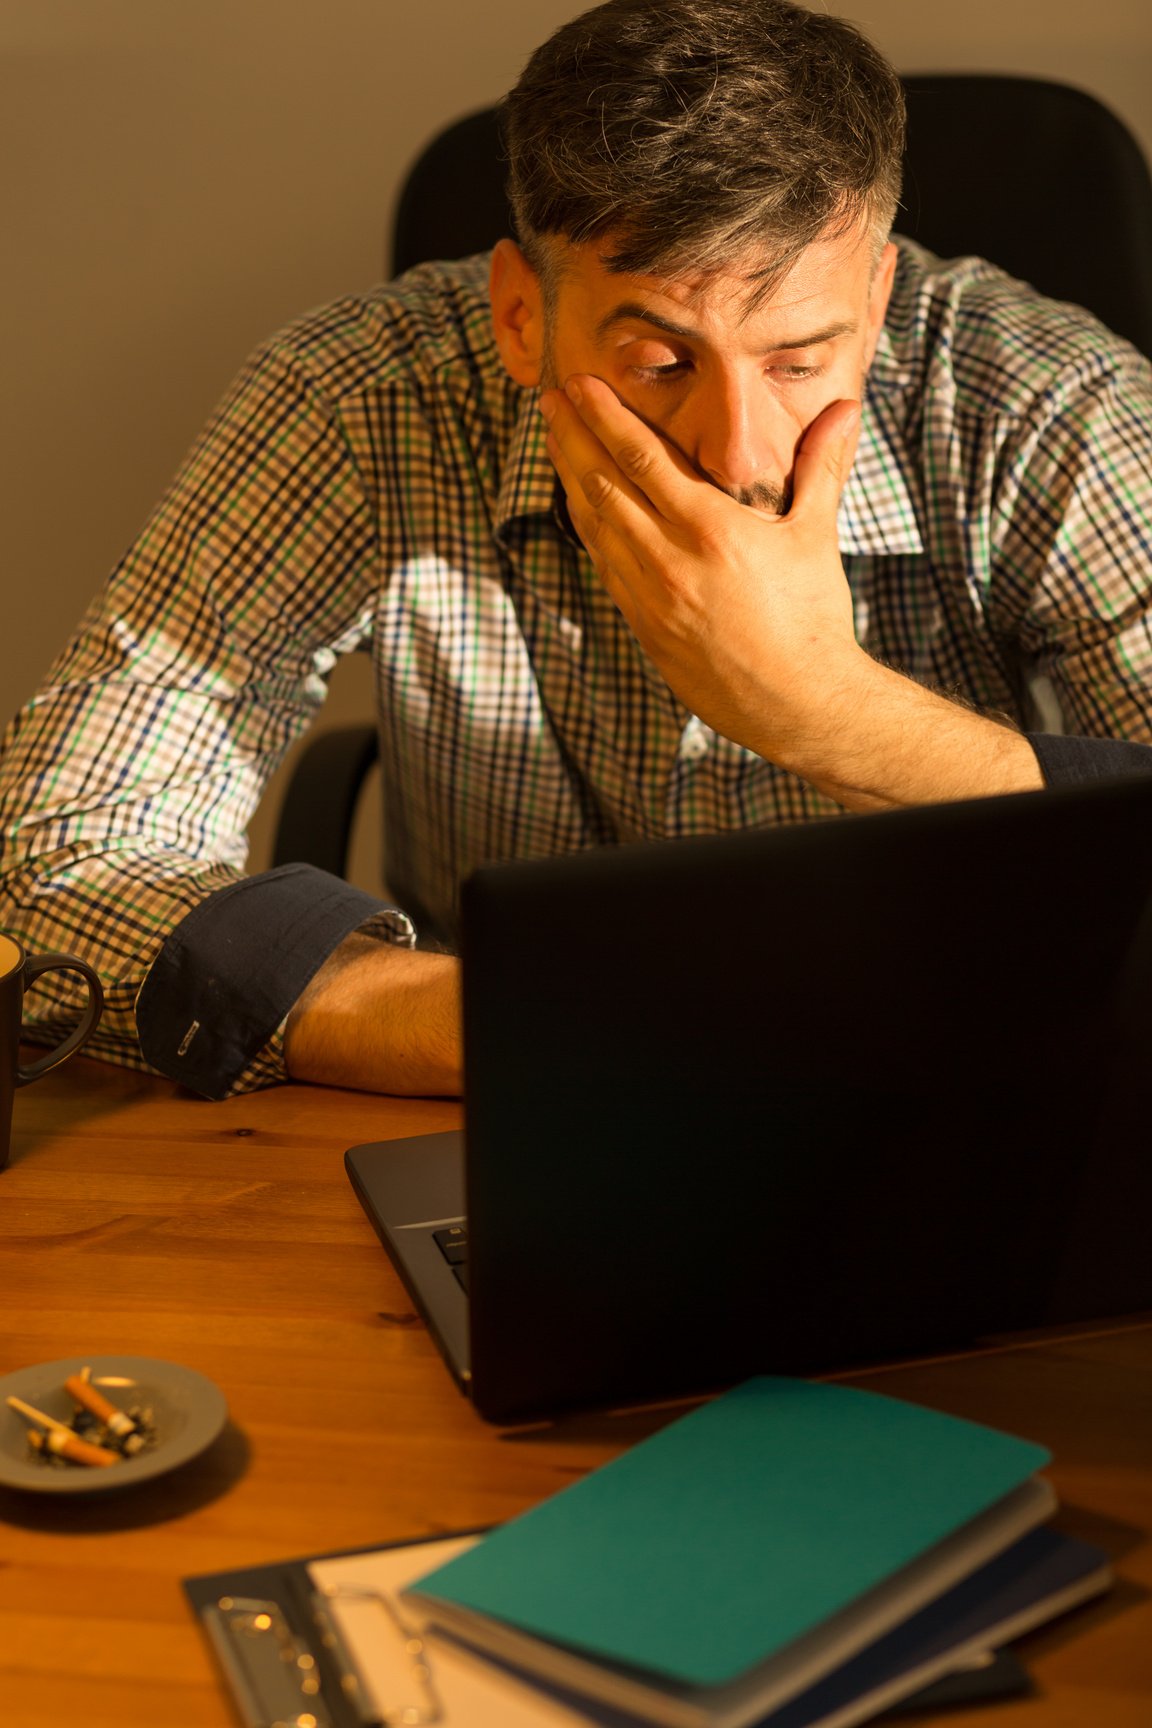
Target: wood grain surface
136	1219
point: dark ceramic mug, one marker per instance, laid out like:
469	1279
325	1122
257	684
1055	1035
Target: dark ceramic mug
17	970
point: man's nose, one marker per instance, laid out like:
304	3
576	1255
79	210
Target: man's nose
745	437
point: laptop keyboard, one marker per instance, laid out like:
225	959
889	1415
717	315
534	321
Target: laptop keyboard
452	1242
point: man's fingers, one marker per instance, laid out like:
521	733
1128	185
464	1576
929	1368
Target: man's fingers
652	468
584	463
635	449
586	492
610	516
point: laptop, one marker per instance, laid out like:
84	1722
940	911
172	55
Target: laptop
788	1101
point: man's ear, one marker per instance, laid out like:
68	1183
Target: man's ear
879	294
517	301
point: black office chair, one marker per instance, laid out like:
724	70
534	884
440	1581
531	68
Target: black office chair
1041	178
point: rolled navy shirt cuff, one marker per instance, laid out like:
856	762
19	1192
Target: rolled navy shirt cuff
228	975
1070	761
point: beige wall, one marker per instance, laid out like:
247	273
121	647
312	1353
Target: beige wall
180	176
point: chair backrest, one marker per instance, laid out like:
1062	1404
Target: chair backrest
452	202
1038	177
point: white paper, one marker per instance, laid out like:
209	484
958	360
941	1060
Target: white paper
472	1693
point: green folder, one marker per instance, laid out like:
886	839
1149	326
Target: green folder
742	1528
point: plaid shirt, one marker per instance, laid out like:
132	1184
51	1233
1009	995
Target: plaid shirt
374	480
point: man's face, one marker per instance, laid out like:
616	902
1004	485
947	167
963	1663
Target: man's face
734	389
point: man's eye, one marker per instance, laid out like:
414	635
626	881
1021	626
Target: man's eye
663	374
794	373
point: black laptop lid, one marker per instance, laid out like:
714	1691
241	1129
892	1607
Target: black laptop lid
791	1100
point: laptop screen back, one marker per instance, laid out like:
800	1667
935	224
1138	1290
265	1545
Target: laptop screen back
791	1100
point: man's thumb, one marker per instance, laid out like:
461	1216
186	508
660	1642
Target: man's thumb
824	458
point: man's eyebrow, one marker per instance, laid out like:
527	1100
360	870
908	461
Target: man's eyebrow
632	311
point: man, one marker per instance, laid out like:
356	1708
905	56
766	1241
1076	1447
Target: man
748	394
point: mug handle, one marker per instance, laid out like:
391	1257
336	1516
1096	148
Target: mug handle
34	964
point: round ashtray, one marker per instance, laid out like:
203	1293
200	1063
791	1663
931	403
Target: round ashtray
188	1412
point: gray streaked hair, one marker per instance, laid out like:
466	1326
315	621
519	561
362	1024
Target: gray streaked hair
690	134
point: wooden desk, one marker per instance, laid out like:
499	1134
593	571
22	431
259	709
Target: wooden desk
135	1219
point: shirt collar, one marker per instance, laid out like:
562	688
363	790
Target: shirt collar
879	511
880	504
528	485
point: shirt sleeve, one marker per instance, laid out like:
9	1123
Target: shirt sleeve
1072	544
1066	761
127	784
218	993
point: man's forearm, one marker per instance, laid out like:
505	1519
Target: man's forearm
877	740
380	1019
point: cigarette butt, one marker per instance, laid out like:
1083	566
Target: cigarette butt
86	1395
80	1451
34	1415
70	1446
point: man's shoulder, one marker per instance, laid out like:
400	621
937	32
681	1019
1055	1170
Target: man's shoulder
965	325
419	331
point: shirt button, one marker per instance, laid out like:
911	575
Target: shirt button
694	741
